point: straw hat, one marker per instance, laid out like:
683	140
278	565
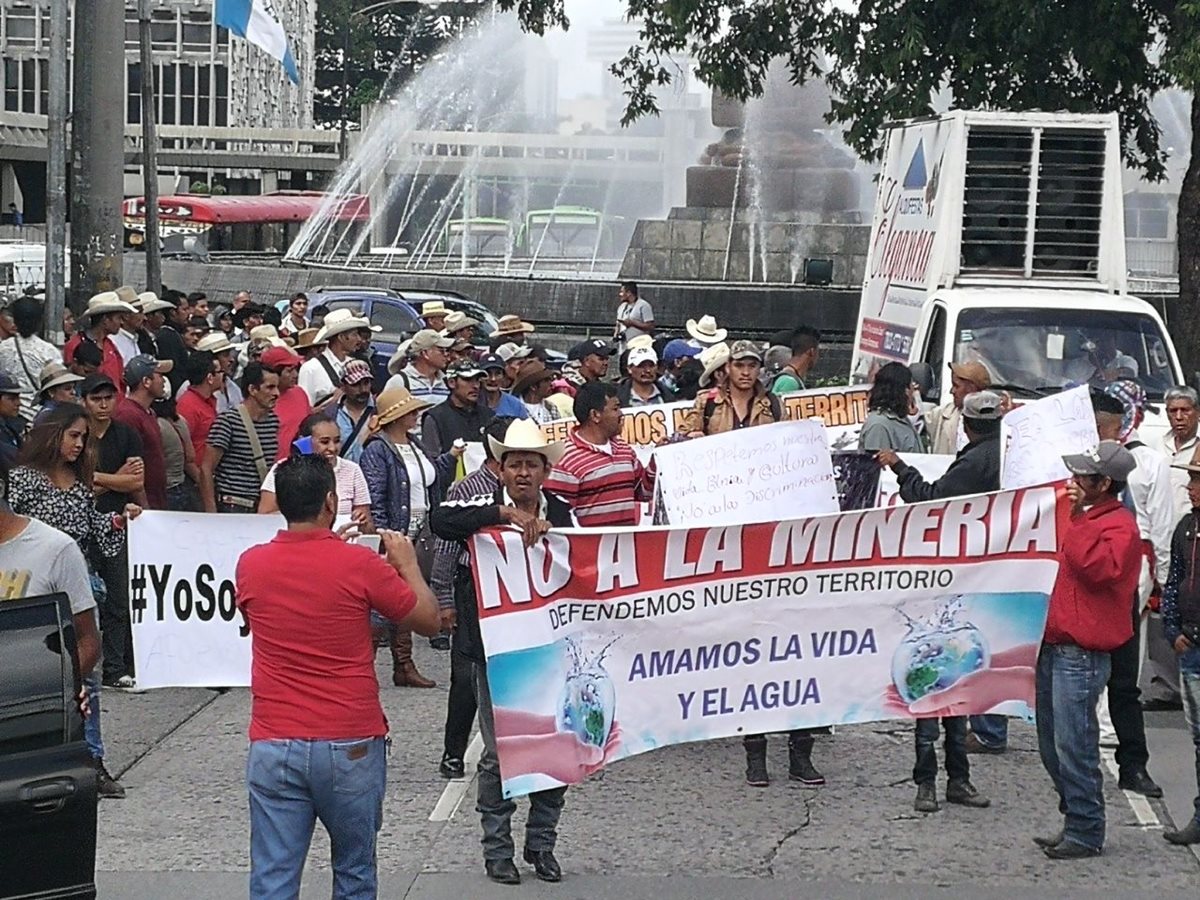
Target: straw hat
511	324
148	302
399	359
307	338
457	321
264	333
104	303
433	308
215	342
532	374
525	435
127	295
393	404
713	357
705	330
974	372
340	321
54	374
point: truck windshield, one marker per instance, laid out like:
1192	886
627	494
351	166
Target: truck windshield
1036	351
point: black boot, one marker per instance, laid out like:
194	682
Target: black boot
800	766
756	761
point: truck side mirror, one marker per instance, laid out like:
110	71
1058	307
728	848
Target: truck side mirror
923	376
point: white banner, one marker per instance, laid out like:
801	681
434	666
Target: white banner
932	466
1035	436
758	474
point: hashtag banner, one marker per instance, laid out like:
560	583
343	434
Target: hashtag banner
187	631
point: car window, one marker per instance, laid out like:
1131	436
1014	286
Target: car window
38	679
396	320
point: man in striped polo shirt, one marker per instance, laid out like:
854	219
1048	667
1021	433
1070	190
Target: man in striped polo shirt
600	476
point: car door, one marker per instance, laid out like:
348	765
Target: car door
398	322
47	777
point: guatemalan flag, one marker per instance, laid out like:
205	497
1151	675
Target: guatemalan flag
256	21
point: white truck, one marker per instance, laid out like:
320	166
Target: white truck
22	265
999	237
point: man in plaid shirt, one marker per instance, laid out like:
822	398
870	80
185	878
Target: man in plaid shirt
450	561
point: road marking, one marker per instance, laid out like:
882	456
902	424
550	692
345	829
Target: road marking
456	790
1142	810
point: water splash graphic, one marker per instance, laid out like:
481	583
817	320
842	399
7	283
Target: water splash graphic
939	650
588	701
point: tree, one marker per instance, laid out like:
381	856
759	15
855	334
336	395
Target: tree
887	59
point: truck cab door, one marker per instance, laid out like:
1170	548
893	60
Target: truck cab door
47	777
932	356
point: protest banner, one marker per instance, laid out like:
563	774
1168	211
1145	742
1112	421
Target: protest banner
1035	436
749	475
604	644
187	631
857	477
842	409
932	466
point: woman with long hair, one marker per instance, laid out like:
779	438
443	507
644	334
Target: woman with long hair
890	406
405	485
53	483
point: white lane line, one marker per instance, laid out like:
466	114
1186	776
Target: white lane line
1142	810
456	790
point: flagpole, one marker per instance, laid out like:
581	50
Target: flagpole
149	151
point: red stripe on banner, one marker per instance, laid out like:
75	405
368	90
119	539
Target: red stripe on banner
603	566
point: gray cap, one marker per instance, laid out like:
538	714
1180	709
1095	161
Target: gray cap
745	350
1108	458
983	405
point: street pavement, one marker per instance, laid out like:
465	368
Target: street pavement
672	824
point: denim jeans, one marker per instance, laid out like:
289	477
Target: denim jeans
1189	685
1069	682
115	633
460	707
495	810
958	767
91	725
292	783
992	731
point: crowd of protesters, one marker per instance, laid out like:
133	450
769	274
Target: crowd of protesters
168	401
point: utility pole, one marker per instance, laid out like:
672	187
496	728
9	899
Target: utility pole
56	175
97	149
149	152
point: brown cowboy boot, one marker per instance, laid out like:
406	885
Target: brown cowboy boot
404	670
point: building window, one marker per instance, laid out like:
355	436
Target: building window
168	96
28	85
133	93
43	66
222	98
12	86
203	96
20	26
187	94
164	33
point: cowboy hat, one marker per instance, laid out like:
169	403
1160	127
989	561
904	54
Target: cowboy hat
54	374
307	338
457	321
215	342
705	330
433	308
972	371
265	333
104	303
511	324
393	404
340	321
148	302
713	357
532	374
399	359
127	295
525	436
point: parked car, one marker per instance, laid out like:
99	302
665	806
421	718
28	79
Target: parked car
47	777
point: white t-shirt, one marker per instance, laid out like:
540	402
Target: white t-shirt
315	379
352	488
43	560
420	477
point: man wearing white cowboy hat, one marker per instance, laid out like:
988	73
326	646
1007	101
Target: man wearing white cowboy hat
152	309
56	386
525	458
228	393
427	360
434	313
635	316
344	332
705	333
510	329
126	336
102	319
460	325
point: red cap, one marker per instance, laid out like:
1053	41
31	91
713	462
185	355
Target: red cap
279	358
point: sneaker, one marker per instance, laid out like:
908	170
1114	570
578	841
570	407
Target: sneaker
964	793
124	683
926	798
107	786
451	767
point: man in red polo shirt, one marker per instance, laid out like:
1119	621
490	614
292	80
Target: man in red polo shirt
104	316
600	477
317	730
293	406
198	403
144	379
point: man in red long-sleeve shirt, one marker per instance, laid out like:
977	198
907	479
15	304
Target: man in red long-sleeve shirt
600	476
1090	615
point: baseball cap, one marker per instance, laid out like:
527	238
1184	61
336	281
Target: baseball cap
8	384
587	348
427	339
983	405
491	361
678	349
95	382
640	355
506	351
1108	458
143	366
745	350
356	372
279	358
464	369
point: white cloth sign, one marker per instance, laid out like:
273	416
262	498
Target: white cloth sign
1034	438
756	474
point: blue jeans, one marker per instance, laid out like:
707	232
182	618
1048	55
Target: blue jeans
1069	682
1189	688
992	731
292	783
91	725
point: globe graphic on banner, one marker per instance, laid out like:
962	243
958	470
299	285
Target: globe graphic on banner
588	701
937	653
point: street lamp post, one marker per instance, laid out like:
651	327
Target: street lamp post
149	151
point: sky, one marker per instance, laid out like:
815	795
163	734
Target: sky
576	75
